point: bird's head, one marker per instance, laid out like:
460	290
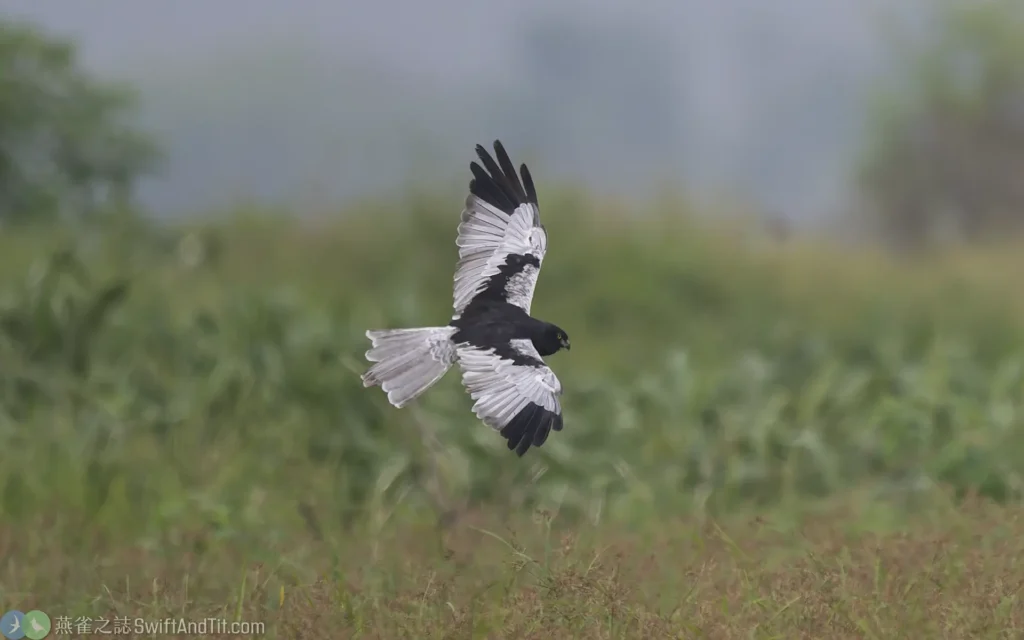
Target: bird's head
562	337
550	339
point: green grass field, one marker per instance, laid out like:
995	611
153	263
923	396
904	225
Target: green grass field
762	440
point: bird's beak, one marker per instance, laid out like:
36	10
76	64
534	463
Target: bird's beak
566	345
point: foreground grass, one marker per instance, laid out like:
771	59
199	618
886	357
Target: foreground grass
183	433
851	569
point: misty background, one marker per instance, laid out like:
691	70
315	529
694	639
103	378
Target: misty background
316	103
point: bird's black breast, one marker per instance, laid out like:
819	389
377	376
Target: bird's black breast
490	324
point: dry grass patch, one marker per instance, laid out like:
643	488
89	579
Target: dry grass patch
953	572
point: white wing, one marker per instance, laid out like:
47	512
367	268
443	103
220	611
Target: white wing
515	393
501	241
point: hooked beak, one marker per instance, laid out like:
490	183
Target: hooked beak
565	343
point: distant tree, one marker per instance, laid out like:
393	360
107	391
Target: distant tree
946	148
67	145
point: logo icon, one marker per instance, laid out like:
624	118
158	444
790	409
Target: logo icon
10	625
37	625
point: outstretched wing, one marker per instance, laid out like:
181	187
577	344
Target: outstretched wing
501	240
515	393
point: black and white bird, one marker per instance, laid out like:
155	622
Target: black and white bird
492	336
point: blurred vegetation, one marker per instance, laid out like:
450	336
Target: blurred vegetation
67	144
155	379
946	154
208	377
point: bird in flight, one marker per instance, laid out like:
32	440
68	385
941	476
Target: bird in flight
497	344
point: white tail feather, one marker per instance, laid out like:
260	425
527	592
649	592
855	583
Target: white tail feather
408	361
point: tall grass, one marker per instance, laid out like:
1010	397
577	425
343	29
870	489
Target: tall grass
154	381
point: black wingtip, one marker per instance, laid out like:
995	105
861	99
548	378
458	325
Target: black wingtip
497	182
531	190
531	427
505	163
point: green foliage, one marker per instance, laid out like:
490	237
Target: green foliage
706	375
946	149
66	142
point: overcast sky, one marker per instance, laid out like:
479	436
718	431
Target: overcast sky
764	98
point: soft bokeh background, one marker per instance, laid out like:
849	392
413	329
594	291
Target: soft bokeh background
324	101
783	240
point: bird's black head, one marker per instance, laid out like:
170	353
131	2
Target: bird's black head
553	340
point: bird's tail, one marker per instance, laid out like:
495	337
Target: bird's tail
408	361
